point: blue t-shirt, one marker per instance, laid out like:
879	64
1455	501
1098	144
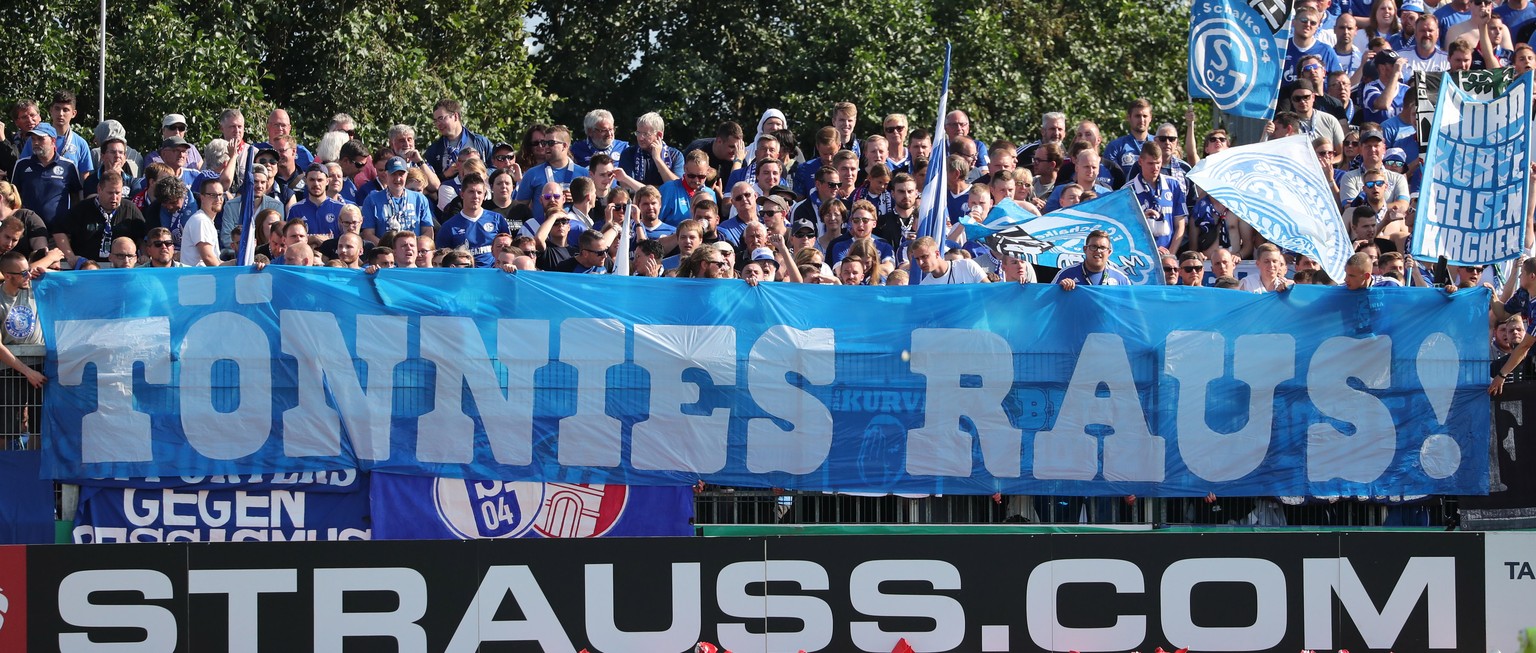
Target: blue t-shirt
1449	18
805	177
1520	303
958	205
1294	54
838	248
74	148
1123	152
534	180
47	189
731	231
1368	96
583	150
1514	19
1054	201
321	218
1109	276
1166	197
410	212
661	229
677	204
476	235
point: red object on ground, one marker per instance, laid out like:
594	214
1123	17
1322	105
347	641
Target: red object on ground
903	647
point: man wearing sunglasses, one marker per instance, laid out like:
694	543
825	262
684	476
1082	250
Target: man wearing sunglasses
1303	98
1304	41
1373	151
678	195
160	249
559	168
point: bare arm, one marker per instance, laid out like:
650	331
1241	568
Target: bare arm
33	377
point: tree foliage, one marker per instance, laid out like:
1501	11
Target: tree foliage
382	62
697	63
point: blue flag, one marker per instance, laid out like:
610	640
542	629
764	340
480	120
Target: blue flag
1472	206
933	213
247	253
426	508
1237	53
1056	239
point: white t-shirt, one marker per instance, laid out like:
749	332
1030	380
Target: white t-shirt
1251	283
960	271
198	229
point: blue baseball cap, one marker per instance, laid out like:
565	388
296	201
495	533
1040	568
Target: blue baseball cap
395	164
44	129
1412	5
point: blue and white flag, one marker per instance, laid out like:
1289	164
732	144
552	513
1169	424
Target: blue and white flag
1473	202
933	212
1056	239
247	253
257	508
1237	53
1278	187
425	508
1003	215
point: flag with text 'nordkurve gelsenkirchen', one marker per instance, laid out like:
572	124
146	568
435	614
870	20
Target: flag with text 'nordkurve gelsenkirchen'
1237	53
1475	195
933	213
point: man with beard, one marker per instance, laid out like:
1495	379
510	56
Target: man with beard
598	125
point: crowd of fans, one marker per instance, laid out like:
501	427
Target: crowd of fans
841	209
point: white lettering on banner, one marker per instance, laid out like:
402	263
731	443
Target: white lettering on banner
196	508
326	369
215	433
946	612
539	623
672	439
447	434
603	629
87	534
76	609
333	624
968	373
1269	620
1044	620
115	432
242	587
1069	451
590	437
1323	578
804	446
346	395
813	613
1365	454
1198	358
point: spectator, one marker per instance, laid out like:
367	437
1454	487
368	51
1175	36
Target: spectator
599	127
49	184
473	228
651	162
396	208
89	230
936	269
861	224
1272	268
318	211
1162	199
558	168
199	236
443	155
1095	270
67	145
1123	152
588	256
160	249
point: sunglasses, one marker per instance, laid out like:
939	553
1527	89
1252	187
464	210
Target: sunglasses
1375	183
698	177
1311	67
1216	139
805	234
1167	139
548	143
162	243
502	157
1325	154
1192	268
1351	143
554	196
895	128
267	161
1301	98
598	252
1170	268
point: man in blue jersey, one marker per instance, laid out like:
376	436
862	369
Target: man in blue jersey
453	137
318	211
861	224
828	183
558	168
1095	269
726	150
1162	199
474	228
598	125
1304	41
650	161
49	184
67	144
678	196
1383	97
897	157
396	208
805	175
1122	152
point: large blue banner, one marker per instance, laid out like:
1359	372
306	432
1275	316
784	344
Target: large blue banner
1237	53
1473	203
559	378
422	508
256	508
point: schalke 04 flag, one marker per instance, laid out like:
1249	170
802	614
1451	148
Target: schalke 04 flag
1278	187
1472	204
1056	239
1237	53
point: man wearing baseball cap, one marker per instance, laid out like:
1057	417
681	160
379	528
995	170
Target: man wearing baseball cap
1383	97
396	208
174	125
1373	152
48	184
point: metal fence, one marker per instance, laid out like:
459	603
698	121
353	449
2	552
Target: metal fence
20	409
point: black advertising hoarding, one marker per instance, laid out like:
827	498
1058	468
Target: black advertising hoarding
1099	592
1511	498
